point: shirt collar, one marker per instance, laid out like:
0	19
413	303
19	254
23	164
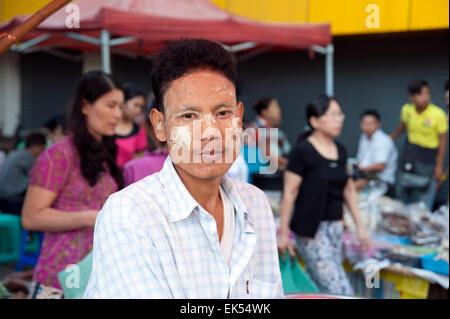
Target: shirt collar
374	135
429	106
183	204
241	209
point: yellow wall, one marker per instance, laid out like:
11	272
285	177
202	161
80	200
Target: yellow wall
347	16
11	8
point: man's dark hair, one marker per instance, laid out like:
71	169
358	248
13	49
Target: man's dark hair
262	104
131	90
55	121
446	85
35	139
371	113
415	86
183	56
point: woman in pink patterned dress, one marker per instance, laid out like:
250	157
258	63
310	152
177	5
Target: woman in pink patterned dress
71	180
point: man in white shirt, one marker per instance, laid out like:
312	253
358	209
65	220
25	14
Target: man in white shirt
189	231
377	154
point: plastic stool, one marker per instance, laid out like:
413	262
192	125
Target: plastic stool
29	252
10	228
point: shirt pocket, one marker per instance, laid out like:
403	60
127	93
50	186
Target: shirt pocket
257	289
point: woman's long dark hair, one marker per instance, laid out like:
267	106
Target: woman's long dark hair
93	153
317	107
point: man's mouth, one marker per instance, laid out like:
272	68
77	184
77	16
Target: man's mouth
211	155
209	152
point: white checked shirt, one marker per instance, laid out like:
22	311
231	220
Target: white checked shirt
153	240
379	149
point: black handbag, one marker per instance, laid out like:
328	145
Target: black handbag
417	166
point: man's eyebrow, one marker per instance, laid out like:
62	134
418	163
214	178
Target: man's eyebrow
221	105
196	109
189	108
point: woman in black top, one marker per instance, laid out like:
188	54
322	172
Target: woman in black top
315	186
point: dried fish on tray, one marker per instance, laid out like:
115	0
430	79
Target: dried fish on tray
396	223
429	228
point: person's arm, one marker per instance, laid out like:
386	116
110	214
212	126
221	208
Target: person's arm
374	168
39	216
398	131
440	156
351	199
47	179
282	162
291	187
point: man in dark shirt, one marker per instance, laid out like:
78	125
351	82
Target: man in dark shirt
14	173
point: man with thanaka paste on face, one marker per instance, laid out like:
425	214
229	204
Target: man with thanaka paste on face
189	231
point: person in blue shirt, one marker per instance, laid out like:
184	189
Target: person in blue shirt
14	173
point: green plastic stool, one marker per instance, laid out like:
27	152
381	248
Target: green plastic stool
33	245
10	234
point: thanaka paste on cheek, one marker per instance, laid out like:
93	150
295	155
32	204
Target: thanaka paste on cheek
180	140
233	136
181	136
237	131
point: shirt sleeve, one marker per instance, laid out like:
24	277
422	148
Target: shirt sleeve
382	152
296	161
359	153
128	175
403	114
442	124
122	266
141	142
51	169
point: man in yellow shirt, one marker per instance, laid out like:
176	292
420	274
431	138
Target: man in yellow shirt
423	157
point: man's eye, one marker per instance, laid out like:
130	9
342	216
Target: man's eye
188	116
224	113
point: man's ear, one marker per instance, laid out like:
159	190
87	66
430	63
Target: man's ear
157	119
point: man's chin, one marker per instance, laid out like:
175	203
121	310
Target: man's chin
206	171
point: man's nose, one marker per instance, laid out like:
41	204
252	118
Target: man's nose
211	133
